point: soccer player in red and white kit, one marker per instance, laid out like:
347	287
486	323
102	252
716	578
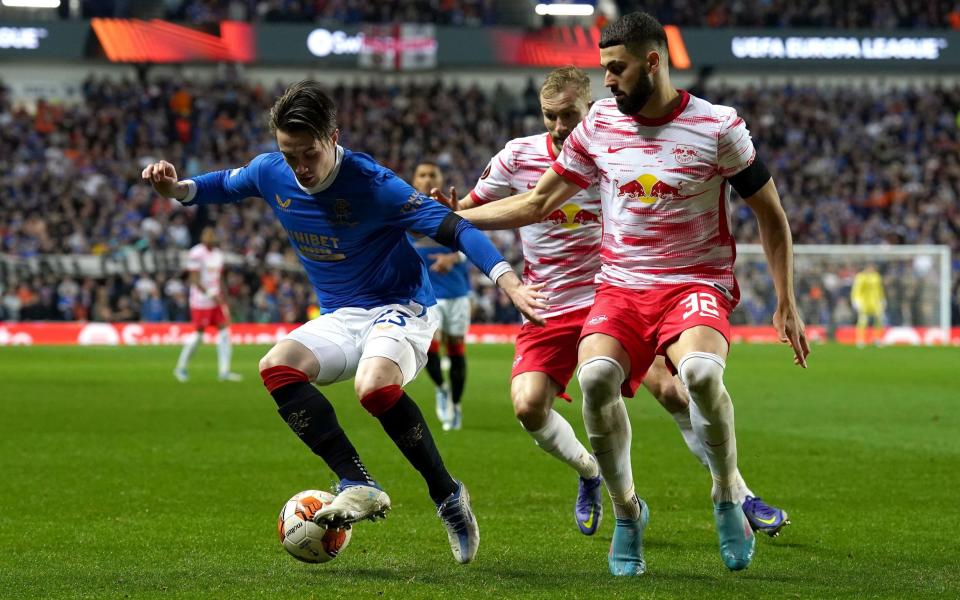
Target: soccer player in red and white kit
207	307
563	252
664	161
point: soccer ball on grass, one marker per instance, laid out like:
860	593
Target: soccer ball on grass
304	539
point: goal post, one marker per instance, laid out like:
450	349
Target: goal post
916	280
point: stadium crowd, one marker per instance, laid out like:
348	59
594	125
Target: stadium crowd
207	12
438	12
854	165
849	14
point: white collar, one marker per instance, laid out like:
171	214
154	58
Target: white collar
329	179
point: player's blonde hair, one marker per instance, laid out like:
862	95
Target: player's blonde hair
559	80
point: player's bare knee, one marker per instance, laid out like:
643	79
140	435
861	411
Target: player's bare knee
293	355
600	378
701	373
530	410
372	377
364	385
279	359
269	360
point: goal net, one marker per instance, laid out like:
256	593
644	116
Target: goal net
916	283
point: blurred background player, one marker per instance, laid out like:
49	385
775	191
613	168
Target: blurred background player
450	278
347	218
869	301
563	252
207	306
664	160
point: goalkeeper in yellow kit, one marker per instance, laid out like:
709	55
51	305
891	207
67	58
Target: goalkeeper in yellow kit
869	302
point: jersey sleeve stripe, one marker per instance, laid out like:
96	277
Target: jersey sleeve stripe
477	198
570	176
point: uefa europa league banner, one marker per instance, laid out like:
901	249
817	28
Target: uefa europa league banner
406	47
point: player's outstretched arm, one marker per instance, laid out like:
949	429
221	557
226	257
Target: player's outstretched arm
777	242
218	187
523	209
163	177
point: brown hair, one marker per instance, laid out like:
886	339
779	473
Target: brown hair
305	107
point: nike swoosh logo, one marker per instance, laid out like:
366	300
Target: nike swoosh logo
769	521
589	522
714	445
530	186
647	148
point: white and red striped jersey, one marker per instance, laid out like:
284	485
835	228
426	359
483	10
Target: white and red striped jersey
207	263
664	190
563	250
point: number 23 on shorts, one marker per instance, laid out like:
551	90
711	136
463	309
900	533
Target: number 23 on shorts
391	317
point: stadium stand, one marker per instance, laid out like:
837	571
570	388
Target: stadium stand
854	165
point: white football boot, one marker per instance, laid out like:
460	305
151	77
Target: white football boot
462	529
354	502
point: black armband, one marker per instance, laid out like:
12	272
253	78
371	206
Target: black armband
749	181
447	232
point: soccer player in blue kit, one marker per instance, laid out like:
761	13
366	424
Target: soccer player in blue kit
450	279
347	218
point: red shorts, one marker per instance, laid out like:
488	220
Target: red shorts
551	349
645	322
209	317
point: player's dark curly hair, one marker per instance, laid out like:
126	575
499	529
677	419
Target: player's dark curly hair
304	107
638	31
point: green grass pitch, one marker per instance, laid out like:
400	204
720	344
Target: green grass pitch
118	482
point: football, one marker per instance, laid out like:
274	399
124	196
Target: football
304	539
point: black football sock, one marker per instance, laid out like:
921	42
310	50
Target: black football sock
404	423
458	377
433	368
311	416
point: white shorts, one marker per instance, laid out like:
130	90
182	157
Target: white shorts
341	339
454	315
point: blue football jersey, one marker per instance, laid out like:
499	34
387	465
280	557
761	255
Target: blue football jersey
349	231
455	283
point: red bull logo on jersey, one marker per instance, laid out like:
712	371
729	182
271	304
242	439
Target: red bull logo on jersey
571	216
648	189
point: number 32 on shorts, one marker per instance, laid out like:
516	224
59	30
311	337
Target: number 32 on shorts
702	304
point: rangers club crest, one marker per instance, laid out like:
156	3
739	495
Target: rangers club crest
341	216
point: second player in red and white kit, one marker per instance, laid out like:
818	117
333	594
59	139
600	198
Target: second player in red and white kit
664	162
563	253
205	263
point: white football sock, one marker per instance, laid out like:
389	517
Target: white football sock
558	439
608	428
712	420
189	347
690	436
224	350
742	491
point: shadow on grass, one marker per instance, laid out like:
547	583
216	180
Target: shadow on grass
534	579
